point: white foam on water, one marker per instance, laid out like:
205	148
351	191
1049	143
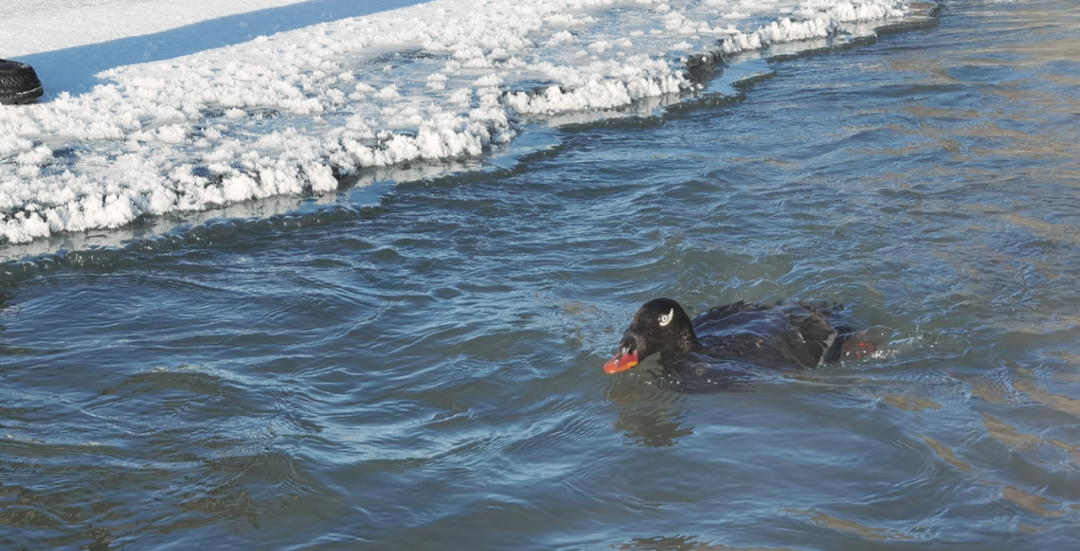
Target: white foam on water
290	113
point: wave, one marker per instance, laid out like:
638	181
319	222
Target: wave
299	112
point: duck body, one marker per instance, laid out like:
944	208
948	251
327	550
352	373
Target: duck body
736	339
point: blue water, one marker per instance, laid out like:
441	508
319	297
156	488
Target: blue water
418	366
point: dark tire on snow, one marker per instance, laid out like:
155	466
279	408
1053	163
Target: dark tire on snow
18	83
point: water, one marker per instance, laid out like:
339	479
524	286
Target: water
424	372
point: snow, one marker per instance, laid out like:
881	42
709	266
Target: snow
33	26
244	116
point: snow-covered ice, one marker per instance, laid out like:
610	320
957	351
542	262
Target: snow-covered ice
290	112
35	26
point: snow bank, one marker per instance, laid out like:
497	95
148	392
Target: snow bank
32	26
291	112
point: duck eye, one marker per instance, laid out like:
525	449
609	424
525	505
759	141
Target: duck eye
666	318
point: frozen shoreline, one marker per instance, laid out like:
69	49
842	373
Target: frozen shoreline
292	113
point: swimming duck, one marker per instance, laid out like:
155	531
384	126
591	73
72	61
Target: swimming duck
736	338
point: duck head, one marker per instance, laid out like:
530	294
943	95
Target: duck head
660	325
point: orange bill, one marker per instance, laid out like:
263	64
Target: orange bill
621	362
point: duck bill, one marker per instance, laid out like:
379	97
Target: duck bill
621	362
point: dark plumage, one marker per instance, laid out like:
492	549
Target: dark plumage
736	338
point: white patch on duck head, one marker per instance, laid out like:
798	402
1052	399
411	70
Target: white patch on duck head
666	318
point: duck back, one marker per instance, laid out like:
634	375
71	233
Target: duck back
794	336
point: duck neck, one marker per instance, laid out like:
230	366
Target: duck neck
689	342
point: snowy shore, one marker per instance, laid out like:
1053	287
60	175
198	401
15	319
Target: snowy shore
293	112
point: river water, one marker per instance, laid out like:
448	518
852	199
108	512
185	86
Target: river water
418	366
